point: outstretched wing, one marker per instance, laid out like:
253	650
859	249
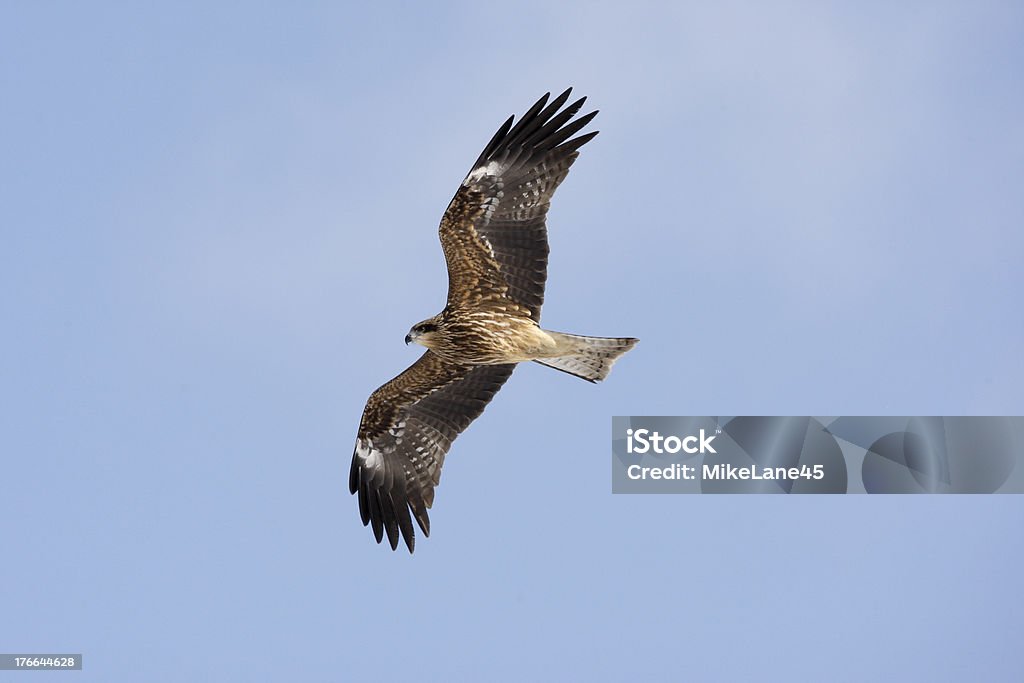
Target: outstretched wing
494	235
407	428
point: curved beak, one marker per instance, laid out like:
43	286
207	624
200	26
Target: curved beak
408	338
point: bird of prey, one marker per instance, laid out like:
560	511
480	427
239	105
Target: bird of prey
495	244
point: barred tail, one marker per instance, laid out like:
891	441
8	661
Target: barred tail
590	358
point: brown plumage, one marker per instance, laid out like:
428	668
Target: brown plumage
495	243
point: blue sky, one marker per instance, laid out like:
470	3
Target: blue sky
219	222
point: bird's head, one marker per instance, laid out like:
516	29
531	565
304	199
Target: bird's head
423	333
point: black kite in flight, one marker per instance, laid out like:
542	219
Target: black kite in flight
495	243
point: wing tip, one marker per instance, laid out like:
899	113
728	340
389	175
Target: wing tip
386	517
534	130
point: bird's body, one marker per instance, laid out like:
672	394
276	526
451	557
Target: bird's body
494	239
488	336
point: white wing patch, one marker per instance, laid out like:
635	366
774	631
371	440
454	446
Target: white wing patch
490	170
371	457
